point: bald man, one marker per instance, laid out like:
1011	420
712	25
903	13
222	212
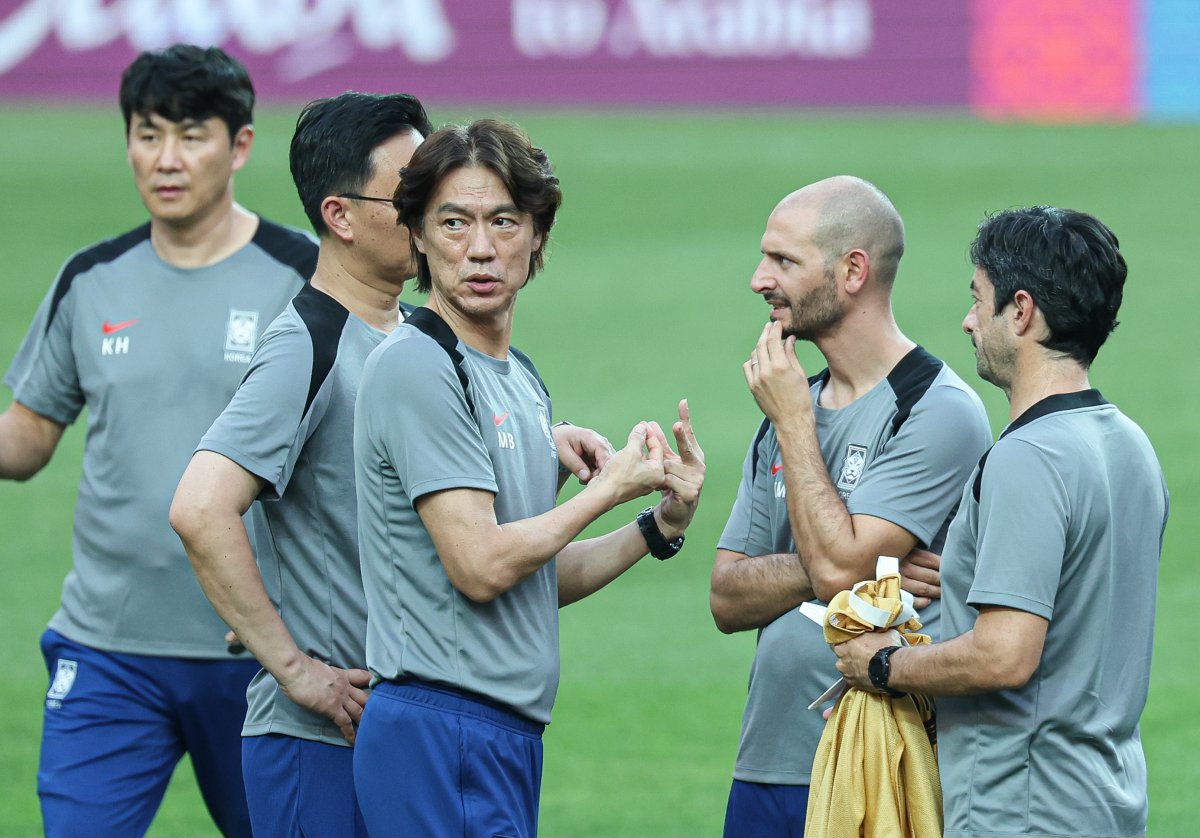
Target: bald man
866	458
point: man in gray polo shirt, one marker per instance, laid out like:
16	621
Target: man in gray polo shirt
1049	571
465	556
151	332
864	459
286	437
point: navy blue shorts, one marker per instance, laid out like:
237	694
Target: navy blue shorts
115	725
296	787
759	810
429	761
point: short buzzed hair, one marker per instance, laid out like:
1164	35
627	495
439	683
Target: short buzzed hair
855	213
493	144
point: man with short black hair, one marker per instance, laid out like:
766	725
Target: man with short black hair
466	558
1049	571
151	332
287	438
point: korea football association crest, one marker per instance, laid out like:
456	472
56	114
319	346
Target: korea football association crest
64	679
241	334
544	421
853	465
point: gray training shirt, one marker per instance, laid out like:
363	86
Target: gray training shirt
901	452
154	352
434	414
1063	519
291	423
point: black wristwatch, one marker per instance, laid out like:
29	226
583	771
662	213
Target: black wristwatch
879	670
660	548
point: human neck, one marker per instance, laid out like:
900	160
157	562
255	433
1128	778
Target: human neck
205	241
373	302
489	335
1040	378
860	355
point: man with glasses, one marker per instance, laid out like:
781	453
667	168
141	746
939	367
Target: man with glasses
151	332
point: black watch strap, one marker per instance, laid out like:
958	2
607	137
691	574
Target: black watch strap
879	671
660	548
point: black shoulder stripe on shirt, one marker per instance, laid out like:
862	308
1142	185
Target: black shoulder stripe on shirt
823	375
525	361
1051	404
325	319
427	322
287	246
910	380
978	484
106	251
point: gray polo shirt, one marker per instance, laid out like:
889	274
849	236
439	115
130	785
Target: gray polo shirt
291	423
1064	519
434	414
154	352
900	452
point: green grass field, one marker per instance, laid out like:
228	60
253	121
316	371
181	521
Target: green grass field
645	299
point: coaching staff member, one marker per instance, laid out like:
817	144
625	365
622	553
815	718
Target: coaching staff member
151	332
1050	569
287	438
466	559
867	458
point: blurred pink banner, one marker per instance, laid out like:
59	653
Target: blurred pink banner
560	52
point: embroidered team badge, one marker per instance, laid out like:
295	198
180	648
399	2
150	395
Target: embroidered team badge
64	679
241	333
852	467
544	421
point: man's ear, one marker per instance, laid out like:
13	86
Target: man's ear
857	265
1025	312
337	220
242	141
418	239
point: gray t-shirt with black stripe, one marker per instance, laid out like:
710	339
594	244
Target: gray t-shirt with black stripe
1064	519
900	452
154	352
434	414
291	423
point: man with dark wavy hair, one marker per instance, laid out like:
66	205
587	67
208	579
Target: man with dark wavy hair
466	557
151	331
1049	570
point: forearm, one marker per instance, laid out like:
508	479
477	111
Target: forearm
223	560
585	567
821	525
27	440
483	560
751	591
1001	652
956	667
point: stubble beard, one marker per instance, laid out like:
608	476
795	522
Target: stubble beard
817	315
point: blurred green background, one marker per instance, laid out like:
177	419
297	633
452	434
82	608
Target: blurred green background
645	300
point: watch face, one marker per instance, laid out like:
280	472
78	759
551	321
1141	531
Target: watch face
875	670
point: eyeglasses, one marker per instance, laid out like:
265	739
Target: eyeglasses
353	197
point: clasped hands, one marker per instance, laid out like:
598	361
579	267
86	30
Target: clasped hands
647	463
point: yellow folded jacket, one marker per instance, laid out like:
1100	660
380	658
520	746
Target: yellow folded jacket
875	773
